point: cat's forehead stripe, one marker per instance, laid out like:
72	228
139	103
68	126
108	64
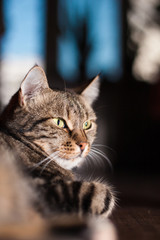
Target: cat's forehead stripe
75	105
80	109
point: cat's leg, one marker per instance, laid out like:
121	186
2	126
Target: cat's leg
84	198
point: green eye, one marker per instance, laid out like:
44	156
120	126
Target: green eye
87	125
59	122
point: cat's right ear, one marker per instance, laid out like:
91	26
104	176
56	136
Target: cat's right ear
34	82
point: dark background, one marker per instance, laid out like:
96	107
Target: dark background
129	107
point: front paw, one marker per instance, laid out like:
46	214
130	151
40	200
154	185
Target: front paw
96	199
84	198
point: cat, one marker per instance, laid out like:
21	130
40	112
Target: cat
44	134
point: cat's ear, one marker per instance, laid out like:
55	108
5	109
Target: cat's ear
34	82
91	91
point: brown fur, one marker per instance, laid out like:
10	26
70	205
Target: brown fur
40	155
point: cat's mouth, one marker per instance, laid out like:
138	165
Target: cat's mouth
71	157
69	161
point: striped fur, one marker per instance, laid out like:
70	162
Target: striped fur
46	153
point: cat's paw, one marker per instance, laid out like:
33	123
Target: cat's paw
81	197
96	199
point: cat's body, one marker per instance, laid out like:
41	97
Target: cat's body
46	133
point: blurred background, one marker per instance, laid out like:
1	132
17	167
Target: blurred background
76	39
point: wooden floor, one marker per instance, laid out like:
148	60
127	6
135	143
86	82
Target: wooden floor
137	223
137	215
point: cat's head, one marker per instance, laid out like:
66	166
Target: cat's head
61	123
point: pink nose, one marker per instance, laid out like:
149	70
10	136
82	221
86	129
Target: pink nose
82	145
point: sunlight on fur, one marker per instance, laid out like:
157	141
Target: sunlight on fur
44	134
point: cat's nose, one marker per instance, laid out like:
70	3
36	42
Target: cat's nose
82	145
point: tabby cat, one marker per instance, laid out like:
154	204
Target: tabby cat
44	134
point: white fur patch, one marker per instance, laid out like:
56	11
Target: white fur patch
68	164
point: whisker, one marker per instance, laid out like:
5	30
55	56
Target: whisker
42	161
95	157
54	154
56	157
101	145
45	165
38	164
97	151
89	160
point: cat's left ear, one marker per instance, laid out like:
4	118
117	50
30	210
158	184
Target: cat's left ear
91	92
34	82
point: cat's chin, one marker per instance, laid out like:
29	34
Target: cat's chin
69	163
